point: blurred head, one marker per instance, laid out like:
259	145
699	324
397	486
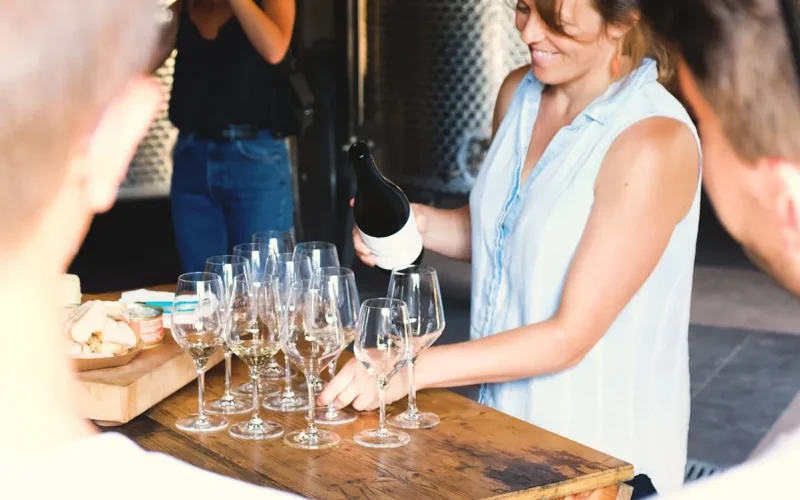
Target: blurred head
569	39
738	76
74	105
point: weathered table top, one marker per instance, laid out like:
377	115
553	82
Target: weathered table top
474	453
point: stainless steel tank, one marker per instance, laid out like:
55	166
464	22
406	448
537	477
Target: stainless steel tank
427	77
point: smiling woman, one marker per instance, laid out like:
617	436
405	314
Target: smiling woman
581	229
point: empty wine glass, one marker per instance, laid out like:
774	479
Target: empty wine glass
288	268
312	337
382	347
418	287
321	253
228	267
343	282
197	326
257	254
278	241
254	336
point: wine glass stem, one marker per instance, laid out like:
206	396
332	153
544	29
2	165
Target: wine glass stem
332	372
412	391
287	373
228	355
254	375
382	399
312	428
201	382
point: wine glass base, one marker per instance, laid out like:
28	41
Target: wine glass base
235	406
286	405
321	440
336	417
256	431
264	389
375	438
407	420
193	423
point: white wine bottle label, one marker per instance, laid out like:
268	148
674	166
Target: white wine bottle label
400	249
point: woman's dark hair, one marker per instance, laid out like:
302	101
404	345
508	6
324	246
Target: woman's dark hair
640	42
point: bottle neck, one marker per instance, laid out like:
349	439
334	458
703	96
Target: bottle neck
367	171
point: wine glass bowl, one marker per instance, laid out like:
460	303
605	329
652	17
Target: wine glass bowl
321	253
418	287
228	267
254	336
312	338
381	345
197	327
278	241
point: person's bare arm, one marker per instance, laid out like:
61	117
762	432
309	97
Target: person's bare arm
167	38
269	30
645	187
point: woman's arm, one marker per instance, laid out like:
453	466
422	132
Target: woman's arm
645	187
270	29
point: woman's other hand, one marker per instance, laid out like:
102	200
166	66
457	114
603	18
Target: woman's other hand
355	385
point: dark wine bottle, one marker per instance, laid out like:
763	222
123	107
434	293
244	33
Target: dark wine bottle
383	215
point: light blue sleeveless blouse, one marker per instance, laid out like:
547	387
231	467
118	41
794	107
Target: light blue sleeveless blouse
629	397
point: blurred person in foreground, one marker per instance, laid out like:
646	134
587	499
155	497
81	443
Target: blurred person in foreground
739	77
75	103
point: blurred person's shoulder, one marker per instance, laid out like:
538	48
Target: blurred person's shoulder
110	465
772	472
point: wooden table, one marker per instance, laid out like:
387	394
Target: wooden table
474	453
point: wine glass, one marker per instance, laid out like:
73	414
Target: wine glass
344	284
382	347
278	241
288	268
197	326
312	337
418	287
257	254
254	336
321	253
228	267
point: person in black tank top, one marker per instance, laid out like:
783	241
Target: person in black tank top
231	177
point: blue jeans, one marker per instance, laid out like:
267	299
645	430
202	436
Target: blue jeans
223	192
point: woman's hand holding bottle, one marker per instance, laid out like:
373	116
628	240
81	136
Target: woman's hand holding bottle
420	214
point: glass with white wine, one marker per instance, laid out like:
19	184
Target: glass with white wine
344	283
228	267
312	337
288	268
197	326
254	336
382	347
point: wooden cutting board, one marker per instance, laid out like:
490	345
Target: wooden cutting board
115	396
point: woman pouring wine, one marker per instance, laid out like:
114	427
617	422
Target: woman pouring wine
581	231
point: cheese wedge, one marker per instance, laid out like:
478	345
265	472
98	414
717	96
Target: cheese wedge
86	320
117	332
115	310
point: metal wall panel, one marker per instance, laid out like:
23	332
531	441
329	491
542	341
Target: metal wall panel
433	70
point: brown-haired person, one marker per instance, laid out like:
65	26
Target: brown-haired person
738	75
581	230
75	103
